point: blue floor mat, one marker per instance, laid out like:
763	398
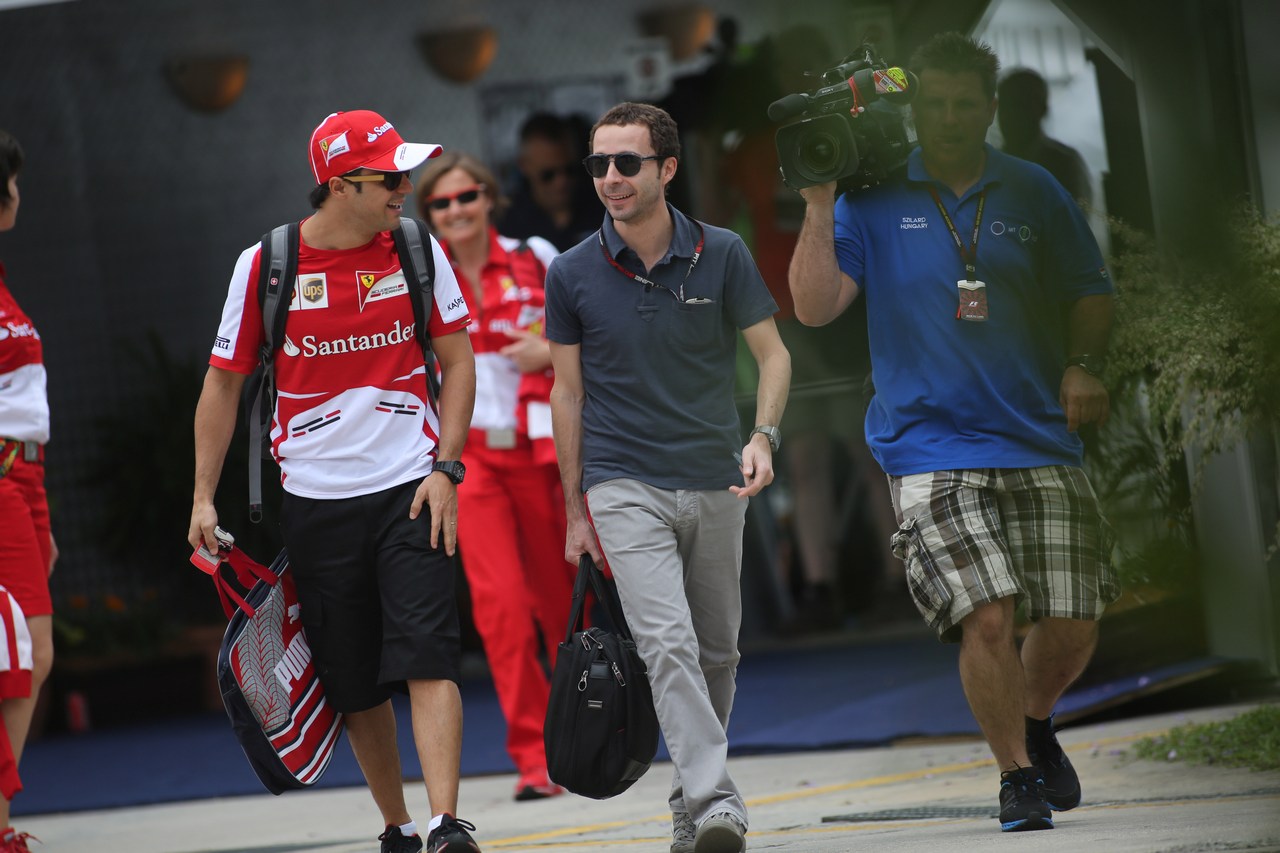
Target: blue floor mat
787	700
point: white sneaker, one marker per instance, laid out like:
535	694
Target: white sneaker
683	832
723	832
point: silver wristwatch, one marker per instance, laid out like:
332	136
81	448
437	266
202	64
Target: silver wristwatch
770	432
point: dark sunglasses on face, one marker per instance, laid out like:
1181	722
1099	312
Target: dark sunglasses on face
628	163
390	180
442	202
546	176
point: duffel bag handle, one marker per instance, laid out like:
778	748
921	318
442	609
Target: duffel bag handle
246	570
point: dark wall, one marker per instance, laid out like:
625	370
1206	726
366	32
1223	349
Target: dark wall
135	207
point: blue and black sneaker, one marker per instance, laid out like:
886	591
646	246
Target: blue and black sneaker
1022	803
1061	784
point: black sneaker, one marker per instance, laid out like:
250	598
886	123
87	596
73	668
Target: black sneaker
451	836
1061	784
1022	804
395	841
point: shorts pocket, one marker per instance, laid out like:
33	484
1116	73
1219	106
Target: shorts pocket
928	587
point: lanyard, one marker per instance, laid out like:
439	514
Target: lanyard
968	254
636	277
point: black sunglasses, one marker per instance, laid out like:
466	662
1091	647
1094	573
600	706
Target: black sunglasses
628	164
390	180
442	202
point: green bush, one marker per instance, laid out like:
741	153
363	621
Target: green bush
1250	740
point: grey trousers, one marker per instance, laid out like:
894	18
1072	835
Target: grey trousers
677	558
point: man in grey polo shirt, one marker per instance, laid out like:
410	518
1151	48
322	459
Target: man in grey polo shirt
643	320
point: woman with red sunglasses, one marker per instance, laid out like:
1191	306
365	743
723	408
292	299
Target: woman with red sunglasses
511	523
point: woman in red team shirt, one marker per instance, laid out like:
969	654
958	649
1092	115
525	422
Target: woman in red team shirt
511	524
27	549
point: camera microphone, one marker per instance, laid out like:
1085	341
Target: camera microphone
791	105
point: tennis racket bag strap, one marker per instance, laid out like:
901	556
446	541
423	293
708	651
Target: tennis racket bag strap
601	729
270	686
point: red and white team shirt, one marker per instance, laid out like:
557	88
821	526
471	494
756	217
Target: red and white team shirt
24	398
351	412
503	304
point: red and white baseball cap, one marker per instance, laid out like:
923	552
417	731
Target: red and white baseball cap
362	139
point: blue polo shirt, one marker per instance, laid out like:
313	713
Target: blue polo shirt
957	394
658	372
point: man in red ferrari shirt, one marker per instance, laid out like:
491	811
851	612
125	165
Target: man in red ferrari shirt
362	451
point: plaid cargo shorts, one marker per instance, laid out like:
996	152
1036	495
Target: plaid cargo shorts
969	537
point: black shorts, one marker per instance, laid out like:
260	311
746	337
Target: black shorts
377	600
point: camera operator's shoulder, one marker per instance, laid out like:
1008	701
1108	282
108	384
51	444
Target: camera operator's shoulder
1020	172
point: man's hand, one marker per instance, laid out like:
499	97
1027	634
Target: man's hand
204	518
440	495
819	194
1084	398
580	538
757	467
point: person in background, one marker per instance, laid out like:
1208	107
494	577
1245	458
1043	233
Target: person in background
27	547
643	320
552	201
511	512
1024	103
989	311
369	465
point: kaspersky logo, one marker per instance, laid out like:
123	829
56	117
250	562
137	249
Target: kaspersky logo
313	346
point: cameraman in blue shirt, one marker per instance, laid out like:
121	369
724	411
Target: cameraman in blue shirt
989	310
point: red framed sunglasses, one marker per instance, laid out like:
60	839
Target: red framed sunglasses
442	201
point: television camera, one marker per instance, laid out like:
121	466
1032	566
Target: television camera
853	129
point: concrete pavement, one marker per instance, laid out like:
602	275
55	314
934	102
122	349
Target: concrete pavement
923	796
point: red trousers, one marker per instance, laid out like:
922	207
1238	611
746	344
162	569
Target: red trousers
511	529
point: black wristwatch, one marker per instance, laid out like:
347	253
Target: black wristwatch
770	432
1091	364
455	471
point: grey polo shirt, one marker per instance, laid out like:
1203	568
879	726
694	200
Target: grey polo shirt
658	372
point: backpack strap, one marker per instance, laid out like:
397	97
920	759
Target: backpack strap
417	259
277	273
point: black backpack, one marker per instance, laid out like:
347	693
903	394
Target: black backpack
601	730
277	276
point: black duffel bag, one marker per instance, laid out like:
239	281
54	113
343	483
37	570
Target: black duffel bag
601	731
